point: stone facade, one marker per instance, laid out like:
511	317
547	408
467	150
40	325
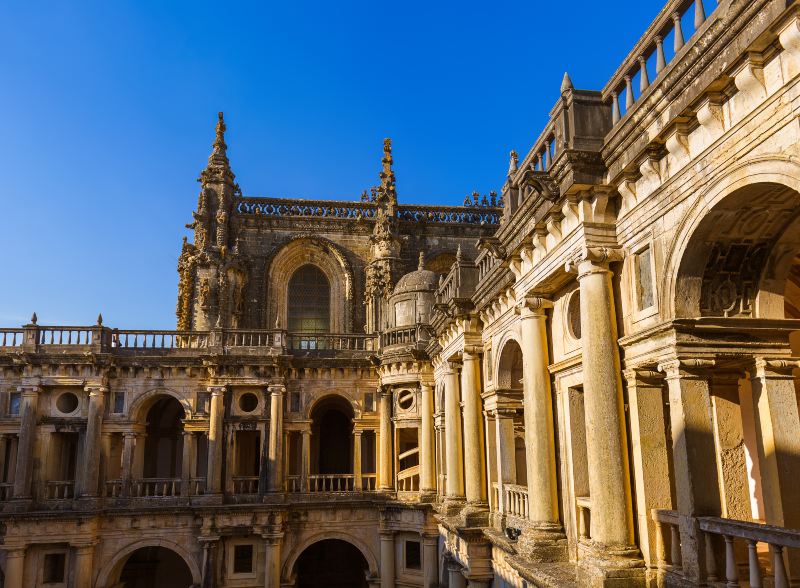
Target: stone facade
588	380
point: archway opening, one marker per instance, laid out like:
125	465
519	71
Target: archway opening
309	302
155	567
332	436
163	446
332	563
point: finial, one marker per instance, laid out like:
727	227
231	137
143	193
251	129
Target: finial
467	200
100	319
387	174
218	164
566	83
34	318
421	264
475	198
458	253
512	162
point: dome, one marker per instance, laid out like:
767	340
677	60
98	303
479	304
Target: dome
417	281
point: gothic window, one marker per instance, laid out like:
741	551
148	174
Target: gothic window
309	301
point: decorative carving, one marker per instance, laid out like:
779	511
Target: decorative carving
730	280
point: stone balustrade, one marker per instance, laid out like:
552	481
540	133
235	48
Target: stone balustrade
59	489
331	483
11	337
584	510
515	500
649	59
245	484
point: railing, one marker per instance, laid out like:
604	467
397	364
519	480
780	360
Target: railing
331	482
64	335
251	338
60	489
113	488
369	482
405	335
293	483
515	500
156	487
408	479
126	339
777	538
284	207
6	491
245	484
451	214
11	337
668	546
329	342
650	48
584	508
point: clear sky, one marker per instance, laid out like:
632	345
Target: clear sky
109	108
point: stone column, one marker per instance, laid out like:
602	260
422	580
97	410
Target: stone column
427	461
357	484
474	453
128	449
455	577
29	400
187	463
506	452
729	441
693	455
90	468
387	483
606	446
777	425
84	554
209	573
430	561
650	454
216	416
15	567
277	392
539	435
272	560
387	559
105	460
452	430
305	469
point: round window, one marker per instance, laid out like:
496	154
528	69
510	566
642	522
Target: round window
248	402
574	314
405	399
67	403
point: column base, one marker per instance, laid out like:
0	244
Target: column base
89	502
604	566
427	496
474	515
543	542
451	506
208	499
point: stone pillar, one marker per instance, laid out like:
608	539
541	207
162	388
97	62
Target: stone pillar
387	559
29	400
275	452
90	468
693	455
272	560
455	577
84	554
474	453
607	452
209	572
15	567
128	449
452	431
430	561
357	483
650	454
506	452
427	458
187	463
216	417
539	431
305	469
730	452
105	460
387	483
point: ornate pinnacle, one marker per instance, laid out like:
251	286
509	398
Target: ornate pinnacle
512	163
421	264
387	174
100	319
566	84
458	253
218	165
34	318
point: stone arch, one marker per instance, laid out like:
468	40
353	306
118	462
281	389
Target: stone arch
683	275
503	374
303	250
137	410
314	404
117	561
294	555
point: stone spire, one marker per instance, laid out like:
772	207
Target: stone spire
512	163
218	168
566	84
421	263
387	188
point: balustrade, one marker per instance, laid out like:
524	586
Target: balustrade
583	505
245	484
369	482
127	339
60	489
405	336
330	342
11	337
64	335
408	479
331	482
156	487
515	500
668	539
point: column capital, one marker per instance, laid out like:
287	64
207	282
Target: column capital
29	390
697	368
776	368
471	352
277	389
15	550
387	534
95	389
589	260
534	306
643	375
217	390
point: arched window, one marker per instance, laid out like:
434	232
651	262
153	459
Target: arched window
309	301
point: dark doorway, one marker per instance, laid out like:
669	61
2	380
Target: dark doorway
155	567
163	444
332	431
332	564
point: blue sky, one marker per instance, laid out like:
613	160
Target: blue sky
109	109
